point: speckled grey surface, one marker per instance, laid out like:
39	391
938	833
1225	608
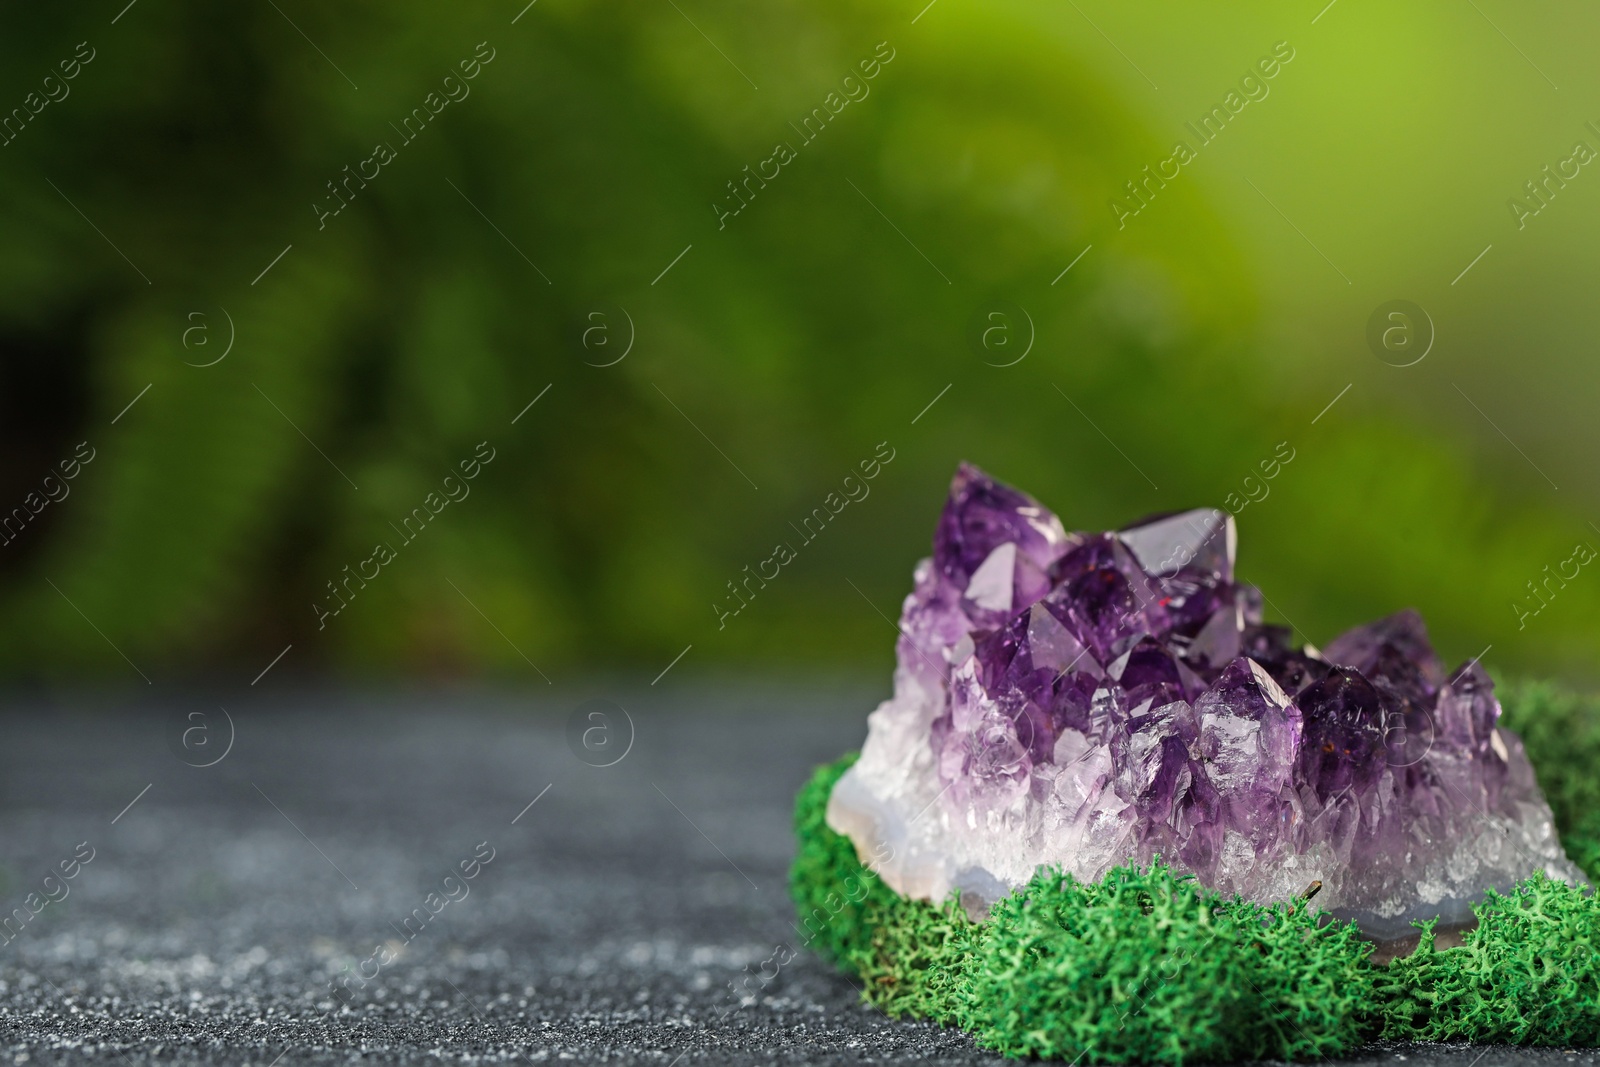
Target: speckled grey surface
609	926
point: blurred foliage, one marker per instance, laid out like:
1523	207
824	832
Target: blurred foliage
777	351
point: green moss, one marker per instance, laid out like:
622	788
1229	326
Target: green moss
1147	966
1528	975
909	954
838	900
1143	966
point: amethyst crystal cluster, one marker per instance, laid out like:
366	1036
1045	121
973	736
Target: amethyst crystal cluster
1080	700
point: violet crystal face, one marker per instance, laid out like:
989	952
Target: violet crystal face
1083	700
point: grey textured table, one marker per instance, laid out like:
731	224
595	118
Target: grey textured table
220	908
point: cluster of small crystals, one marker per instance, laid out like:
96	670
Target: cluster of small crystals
1082	700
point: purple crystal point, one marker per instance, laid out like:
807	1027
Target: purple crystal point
1467	740
1250	602
932	629
1104	598
995	544
1467	712
1191	554
1082	700
1151	675
1202	541
1052	646
1152	756
1400	636
1072	704
1271	646
1219	640
1250	730
1344	742
1250	733
985	751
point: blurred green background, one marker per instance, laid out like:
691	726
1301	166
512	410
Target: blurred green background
783	344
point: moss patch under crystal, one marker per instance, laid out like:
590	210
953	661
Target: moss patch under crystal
909	954
1141	966
1147	966
1528	975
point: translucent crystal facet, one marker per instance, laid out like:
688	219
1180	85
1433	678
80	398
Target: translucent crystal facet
1082	700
